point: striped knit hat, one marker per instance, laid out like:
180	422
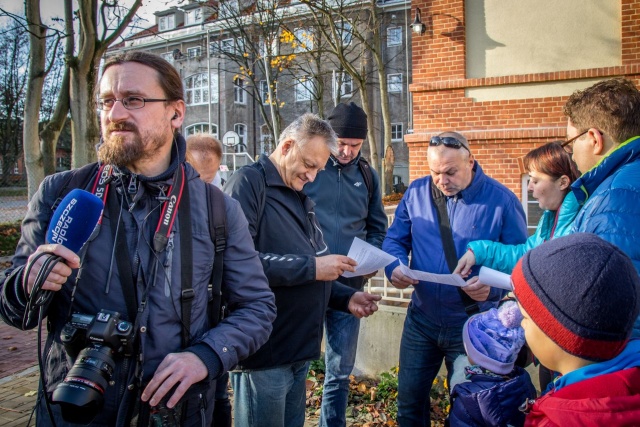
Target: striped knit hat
582	292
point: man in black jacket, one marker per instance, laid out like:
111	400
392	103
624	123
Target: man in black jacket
269	386
346	208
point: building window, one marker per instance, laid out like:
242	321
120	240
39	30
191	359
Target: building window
303	41
269	48
303	89
228	9
396	132
345	33
530	206
166	23
342	85
239	95
16	170
201	128
394	83
197	89
194	52
241	130
264	92
394	36
193	17
266	140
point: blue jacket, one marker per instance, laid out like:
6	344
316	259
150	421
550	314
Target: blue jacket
610	197
491	400
484	210
552	224
244	285
344	210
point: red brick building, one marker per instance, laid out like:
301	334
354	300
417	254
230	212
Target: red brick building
500	71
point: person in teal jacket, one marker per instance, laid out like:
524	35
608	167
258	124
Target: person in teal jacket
551	173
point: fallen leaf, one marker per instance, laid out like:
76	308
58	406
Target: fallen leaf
13	348
31	393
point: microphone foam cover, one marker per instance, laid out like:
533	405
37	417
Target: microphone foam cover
75	219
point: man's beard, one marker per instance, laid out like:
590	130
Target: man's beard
126	150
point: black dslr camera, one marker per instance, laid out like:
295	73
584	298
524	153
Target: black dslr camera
91	341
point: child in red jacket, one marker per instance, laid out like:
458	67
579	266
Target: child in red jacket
580	296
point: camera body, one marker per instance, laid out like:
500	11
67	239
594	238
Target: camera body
91	341
105	328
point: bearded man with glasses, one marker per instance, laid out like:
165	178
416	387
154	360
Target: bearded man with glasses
437	217
604	122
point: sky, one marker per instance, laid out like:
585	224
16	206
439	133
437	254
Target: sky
54	8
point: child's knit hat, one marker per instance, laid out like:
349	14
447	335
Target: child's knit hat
582	292
494	338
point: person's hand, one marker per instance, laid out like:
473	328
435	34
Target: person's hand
363	304
182	369
330	267
465	263
400	281
61	271
477	290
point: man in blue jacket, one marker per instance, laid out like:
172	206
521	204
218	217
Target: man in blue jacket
603	131
346	208
478	207
269	386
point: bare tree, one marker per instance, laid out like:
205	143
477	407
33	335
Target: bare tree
14	53
361	20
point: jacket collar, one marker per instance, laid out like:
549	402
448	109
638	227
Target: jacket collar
469	193
626	152
335	163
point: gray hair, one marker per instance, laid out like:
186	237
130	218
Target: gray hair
307	126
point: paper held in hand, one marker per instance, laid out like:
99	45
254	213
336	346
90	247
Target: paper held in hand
495	278
369	258
445	279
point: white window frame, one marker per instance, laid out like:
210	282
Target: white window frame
168	56
397	131
228	8
228	46
167	22
394	36
342	85
303	89
191	18
345	31
266	50
194	52
304	40
239	93
201	128
241	130
530	205
200	92
394	83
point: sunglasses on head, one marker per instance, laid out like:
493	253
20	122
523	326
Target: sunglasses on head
447	141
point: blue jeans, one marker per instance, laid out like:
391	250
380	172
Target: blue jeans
422	349
340	355
274	397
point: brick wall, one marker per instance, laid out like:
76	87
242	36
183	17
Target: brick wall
499	131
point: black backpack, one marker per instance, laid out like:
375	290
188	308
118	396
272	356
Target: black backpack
84	176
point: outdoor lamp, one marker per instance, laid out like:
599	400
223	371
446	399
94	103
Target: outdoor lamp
418	27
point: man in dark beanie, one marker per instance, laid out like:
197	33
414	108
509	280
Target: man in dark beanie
348	204
579	296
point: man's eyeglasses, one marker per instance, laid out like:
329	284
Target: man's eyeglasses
447	141
567	144
128	102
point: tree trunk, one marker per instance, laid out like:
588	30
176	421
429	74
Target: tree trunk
37	60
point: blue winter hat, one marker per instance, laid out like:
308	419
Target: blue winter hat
494	338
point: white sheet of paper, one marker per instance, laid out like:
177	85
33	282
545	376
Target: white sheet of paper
369	258
445	279
495	278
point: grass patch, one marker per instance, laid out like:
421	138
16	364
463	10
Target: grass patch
13	191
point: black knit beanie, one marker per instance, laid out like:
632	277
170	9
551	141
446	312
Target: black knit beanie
348	121
582	292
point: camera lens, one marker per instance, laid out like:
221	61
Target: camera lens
80	395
